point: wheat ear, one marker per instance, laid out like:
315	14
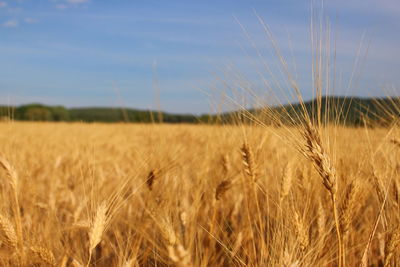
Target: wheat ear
348	206
391	245
7	232
224	186
248	161
286	182
301	231
151	177
323	164
347	213
13	180
44	255
97	227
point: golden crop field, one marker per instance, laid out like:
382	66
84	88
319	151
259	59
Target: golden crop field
197	195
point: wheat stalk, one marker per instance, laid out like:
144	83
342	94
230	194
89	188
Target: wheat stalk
395	141
151	177
347	212
179	255
322	163
129	263
250	169
10	171
168	232
321	220
379	187
225	164
396	192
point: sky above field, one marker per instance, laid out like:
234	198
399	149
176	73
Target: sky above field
121	53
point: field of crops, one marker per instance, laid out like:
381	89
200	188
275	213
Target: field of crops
193	195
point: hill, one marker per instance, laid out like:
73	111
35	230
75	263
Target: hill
345	110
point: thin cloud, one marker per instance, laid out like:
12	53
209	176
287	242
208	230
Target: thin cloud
384	6
3	4
61	6
77	1
15	10
10	23
70	3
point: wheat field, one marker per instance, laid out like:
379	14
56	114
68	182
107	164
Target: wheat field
197	195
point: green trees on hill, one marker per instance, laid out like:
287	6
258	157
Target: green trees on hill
343	110
348	111
38	112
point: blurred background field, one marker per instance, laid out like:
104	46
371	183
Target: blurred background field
192	195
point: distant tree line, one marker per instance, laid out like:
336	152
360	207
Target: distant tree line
343	110
39	112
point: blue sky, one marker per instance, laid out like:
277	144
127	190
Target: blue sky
111	53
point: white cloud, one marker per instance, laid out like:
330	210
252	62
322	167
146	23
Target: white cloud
31	20
11	23
69	3
77	1
3	4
